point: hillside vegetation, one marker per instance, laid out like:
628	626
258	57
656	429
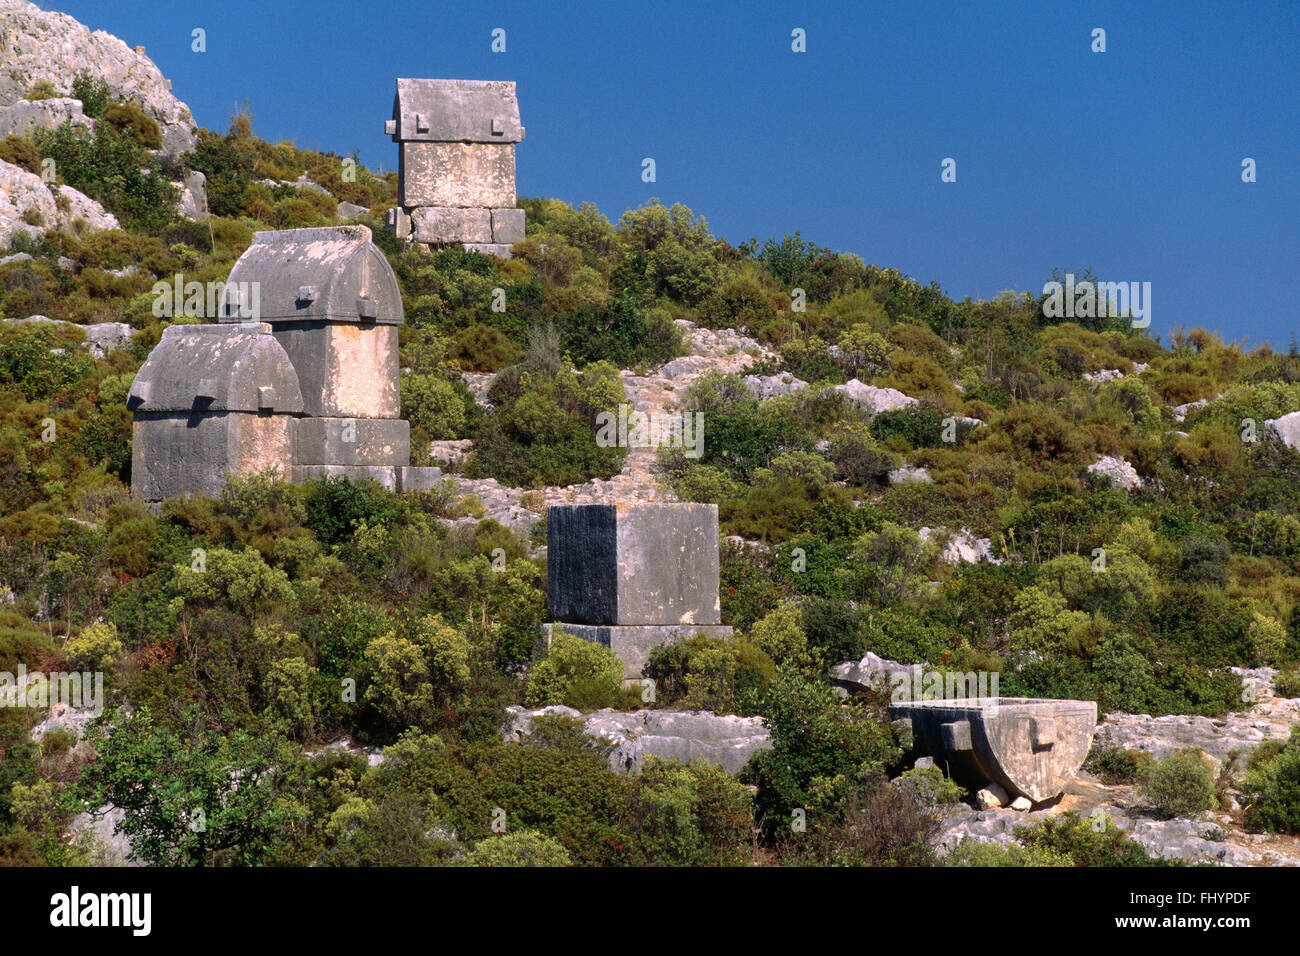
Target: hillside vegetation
232	630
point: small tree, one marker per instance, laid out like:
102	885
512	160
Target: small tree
1179	785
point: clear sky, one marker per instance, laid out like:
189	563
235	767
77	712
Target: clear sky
1128	162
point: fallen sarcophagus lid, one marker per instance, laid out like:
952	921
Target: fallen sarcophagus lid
1027	745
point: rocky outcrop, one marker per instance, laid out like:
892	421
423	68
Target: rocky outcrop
908	473
771	386
1285	429
875	400
38	44
101	337
23	117
1121	474
726	741
193	203
870	673
961	547
28	206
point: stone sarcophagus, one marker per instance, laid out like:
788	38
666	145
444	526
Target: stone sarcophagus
210	401
1028	746
456	163
300	373
633	576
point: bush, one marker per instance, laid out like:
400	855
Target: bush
1287	684
132	122
1179	785
432	403
521	848
978	853
1093	842
94	92
575	670
19	152
95	648
1272	788
414	676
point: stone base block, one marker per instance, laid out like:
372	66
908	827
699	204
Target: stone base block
478	175
507	225
500	250
416	478
386	475
352	441
633	643
399	221
451	224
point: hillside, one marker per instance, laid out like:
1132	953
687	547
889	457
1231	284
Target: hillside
967	485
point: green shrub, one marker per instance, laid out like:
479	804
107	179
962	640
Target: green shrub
95	648
433	404
978	853
21	153
1287	684
1092	842
575	669
1179	785
929	787
94	92
1272	789
131	121
520	848
41	90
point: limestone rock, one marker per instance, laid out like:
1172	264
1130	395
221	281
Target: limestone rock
774	385
908	473
1285	429
1121	474
1022	804
80	212
725	740
104	337
962	547
350	210
875	400
45	45
865	674
193	204
992	796
23	117
23	197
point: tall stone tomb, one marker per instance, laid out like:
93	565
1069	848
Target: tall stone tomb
456	163
633	576
308	385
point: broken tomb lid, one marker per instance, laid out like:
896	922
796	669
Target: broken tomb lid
216	368
455	111
334	273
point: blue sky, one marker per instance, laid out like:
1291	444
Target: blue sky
1127	162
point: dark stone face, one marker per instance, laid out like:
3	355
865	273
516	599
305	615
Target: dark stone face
582	564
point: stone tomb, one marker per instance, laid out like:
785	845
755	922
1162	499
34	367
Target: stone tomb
456	163
1028	746
633	576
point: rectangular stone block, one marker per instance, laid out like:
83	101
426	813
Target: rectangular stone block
633	564
507	226
344	370
386	475
451	224
177	454
633	643
418	478
352	441
480	175
399	221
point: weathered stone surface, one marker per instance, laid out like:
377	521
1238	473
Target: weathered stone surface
1029	747
992	796
1285	429
350	210
499	250
345	370
176	454
44	45
875	400
908	473
191	431
104	337
771	386
960	547
507	226
193	204
451	224
216	368
23	117
398	220
419	478
633	564
726	741
468	111
79	212
1119	472
634	642
456	174
870	673
352	441
23	197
